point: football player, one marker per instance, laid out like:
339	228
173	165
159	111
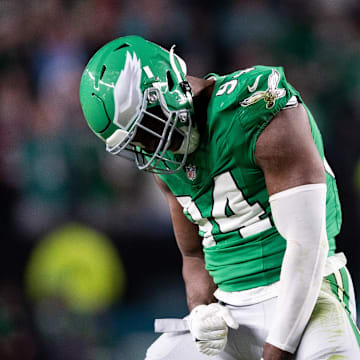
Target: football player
254	204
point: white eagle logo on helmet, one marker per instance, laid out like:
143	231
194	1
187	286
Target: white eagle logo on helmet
127	93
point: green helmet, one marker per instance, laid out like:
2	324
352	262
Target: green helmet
127	79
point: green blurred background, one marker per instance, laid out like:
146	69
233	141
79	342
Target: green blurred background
88	257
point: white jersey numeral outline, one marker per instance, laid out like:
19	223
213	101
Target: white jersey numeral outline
230	85
227	87
205	226
247	218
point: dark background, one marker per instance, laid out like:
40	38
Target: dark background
54	171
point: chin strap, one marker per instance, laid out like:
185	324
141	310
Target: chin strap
194	139
185	86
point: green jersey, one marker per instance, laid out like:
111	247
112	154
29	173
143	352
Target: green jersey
223	191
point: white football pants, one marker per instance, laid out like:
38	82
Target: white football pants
330	334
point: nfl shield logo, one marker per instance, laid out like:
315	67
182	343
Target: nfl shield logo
191	172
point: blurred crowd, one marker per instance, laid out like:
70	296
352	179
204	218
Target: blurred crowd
53	170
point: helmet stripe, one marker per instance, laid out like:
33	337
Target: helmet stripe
148	72
173	64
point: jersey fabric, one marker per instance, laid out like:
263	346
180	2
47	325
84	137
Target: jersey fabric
223	191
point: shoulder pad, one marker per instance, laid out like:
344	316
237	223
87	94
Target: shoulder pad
263	84
258	84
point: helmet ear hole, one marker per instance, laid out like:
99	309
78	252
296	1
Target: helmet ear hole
170	81
122	46
102	71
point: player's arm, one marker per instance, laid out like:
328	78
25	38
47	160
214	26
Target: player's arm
295	179
208	321
198	283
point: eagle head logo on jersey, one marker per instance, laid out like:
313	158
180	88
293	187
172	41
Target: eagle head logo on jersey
270	95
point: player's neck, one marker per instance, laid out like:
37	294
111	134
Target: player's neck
201	86
202	91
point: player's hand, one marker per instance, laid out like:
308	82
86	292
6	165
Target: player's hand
271	352
209	327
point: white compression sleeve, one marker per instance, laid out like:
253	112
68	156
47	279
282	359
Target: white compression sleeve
300	216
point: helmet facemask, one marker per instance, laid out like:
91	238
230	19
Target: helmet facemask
162	127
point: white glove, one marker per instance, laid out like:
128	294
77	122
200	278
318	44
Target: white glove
209	326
